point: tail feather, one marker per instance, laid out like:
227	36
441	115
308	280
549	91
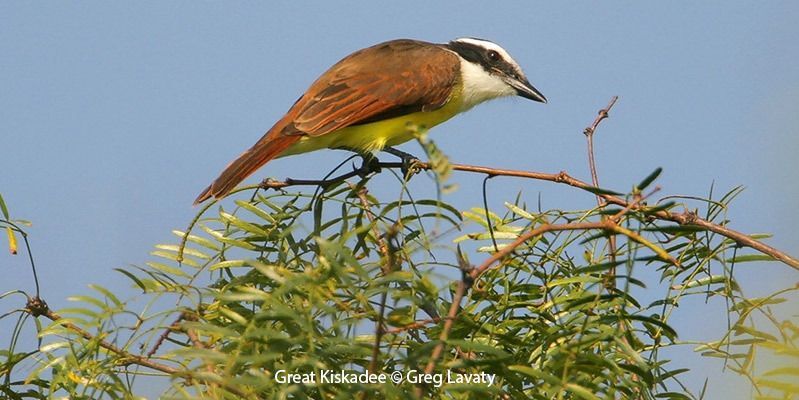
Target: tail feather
248	162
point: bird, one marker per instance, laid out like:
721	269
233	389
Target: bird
370	100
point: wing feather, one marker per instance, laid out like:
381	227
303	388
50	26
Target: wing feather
364	86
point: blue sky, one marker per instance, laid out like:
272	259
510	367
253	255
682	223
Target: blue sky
113	116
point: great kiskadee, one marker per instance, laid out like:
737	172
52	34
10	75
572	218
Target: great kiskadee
368	100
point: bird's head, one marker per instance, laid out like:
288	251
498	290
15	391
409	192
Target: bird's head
489	72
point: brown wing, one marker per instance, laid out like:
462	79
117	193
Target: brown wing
387	80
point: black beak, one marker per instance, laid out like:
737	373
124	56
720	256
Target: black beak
525	89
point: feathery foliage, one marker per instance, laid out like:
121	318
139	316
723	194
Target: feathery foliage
310	284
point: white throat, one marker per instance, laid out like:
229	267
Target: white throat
479	85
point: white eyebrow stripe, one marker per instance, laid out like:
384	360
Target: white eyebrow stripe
487	44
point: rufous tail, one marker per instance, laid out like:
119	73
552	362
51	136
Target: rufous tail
269	147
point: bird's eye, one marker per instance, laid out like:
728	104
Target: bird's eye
493	55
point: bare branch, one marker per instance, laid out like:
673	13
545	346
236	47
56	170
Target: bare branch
686	218
387	267
448	321
589	135
37	307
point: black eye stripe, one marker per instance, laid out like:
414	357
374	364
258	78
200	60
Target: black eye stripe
468	51
480	55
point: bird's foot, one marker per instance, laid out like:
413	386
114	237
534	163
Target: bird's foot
411	164
369	165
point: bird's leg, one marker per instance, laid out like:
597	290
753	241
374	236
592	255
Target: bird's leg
409	161
369	163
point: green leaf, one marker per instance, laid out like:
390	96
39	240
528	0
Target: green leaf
479	215
3	208
521	212
257	211
107	293
667	330
581	391
600	191
674	229
240	223
783	386
536	373
401	316
74	318
186	251
229	264
167	269
229	313
233	242
172	256
88	299
198	240
743	329
702	282
649	179
602	267
574	279
745	304
660	206
783	371
54	346
672	373
673	396
273	272
750	258
132	277
440	204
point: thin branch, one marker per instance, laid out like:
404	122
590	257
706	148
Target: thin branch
470	275
589	135
448	321
37	307
174	327
466	282
684	218
505	251
387	267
